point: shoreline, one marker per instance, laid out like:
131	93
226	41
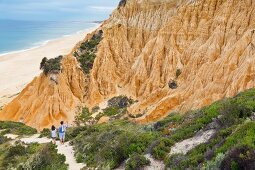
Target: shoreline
45	42
18	68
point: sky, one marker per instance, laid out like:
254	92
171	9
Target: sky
73	10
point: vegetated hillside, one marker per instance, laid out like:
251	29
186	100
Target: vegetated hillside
15	154
169	55
231	145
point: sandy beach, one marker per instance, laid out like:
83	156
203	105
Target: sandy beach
19	68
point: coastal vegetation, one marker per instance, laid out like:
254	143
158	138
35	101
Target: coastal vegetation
108	145
18	155
86	54
137	161
116	107
16	128
52	65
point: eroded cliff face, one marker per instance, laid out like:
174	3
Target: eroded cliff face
49	99
144	43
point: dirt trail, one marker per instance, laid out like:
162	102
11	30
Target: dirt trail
65	149
184	146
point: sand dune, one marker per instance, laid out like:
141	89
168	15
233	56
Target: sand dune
18	69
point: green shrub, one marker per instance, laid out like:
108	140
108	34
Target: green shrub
160	151
16	128
176	161
240	157
178	73
32	148
214	164
111	111
83	116
117	106
172	118
73	132
17	150
95	109
99	115
45	133
79	157
3	139
45	158
86	61
52	65
136	162
120	102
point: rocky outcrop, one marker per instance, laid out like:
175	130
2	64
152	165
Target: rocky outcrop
145	42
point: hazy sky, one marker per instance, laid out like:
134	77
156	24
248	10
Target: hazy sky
56	9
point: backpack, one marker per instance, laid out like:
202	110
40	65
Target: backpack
61	129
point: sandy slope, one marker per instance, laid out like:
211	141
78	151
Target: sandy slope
18	69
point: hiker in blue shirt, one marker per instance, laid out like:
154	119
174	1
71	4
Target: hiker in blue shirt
61	132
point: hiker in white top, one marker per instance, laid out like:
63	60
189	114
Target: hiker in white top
61	132
53	134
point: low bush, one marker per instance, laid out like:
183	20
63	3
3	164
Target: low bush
214	164
178	73
3	139
52	65
83	116
111	111
161	150
16	128
45	133
240	157
45	158
17	150
120	102
136	162
95	109
86	61
171	119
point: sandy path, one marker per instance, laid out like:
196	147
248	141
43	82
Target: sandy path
155	164
11	136
186	145
65	149
19	68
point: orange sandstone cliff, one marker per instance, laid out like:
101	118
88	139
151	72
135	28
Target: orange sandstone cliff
211	43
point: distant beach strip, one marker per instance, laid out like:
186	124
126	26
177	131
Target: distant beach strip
17	45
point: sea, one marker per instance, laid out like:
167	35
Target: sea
30	25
